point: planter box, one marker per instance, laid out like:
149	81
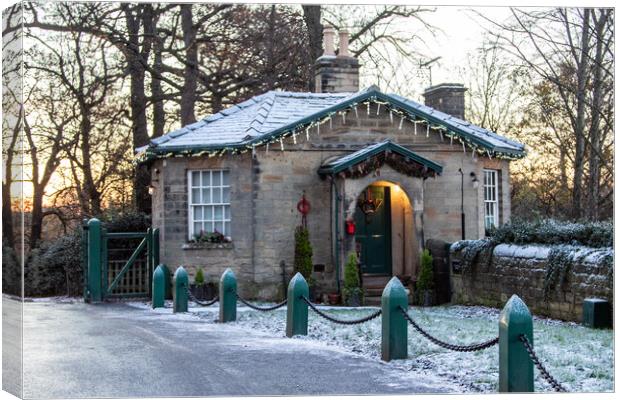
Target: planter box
203	292
207	246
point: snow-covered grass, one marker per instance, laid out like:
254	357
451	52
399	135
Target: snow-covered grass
578	357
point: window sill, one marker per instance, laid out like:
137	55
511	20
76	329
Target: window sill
207	246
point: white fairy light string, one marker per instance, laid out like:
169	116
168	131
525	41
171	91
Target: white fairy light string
413	118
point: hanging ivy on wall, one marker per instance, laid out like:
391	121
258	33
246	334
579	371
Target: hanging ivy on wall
559	262
473	251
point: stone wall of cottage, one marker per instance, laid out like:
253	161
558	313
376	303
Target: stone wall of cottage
265	190
521	270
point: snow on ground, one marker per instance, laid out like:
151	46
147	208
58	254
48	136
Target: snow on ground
578	357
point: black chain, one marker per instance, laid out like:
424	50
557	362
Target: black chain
453	347
341	321
201	303
255	307
545	374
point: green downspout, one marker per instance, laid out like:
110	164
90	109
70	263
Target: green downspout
335	188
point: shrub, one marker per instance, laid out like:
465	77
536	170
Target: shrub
425	279
303	254
11	271
128	221
352	279
550	231
55	267
199	279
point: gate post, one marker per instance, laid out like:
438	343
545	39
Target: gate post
84	243
156	247
516	369
179	292
393	323
159	287
228	296
94	260
296	307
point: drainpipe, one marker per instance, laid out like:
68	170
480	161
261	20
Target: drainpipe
462	207
337	242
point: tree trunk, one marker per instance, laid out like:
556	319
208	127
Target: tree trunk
159	114
592	211
137	101
312	18
188	95
7	211
580	142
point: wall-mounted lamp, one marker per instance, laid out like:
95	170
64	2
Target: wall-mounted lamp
151	189
474	179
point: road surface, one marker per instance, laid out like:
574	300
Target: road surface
116	350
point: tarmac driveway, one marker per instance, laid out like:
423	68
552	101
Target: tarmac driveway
115	350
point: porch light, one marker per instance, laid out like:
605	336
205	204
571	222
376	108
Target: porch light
474	180
151	189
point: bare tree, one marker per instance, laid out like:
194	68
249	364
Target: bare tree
569	55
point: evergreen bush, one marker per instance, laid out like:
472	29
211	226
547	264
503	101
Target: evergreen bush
55	267
11	270
303	254
352	279
425	279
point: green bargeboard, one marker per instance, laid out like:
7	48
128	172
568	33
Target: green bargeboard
373	234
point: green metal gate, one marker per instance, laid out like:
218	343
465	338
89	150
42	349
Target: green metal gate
118	264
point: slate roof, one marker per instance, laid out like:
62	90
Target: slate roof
335	165
277	113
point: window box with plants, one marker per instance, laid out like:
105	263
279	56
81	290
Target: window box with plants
209	240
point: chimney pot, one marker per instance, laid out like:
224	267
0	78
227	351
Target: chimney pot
328	41
343	43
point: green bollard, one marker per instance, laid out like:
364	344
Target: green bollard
228	296
94	259
179	292
296	307
516	369
167	283
393	323
158	291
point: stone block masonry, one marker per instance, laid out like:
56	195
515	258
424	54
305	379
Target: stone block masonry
521	270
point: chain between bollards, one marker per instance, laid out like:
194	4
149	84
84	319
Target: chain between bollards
201	303
453	347
543	371
258	308
341	321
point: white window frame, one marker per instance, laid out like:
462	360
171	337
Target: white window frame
191	205
490	186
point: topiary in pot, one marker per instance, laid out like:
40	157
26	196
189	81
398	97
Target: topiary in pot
198	288
353	294
303	256
424	285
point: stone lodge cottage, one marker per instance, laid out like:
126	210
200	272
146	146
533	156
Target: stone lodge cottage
382	174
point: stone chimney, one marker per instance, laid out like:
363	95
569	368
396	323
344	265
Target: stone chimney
448	98
336	74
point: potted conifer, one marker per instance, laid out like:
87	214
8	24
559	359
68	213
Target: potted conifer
352	291
303	257
198	288
424	285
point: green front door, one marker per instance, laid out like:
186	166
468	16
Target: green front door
373	232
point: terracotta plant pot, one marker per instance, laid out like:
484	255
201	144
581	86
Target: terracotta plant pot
334	298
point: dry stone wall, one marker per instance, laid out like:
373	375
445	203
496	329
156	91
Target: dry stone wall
512	269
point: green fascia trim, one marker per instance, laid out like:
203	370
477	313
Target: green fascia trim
370	94
387	145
